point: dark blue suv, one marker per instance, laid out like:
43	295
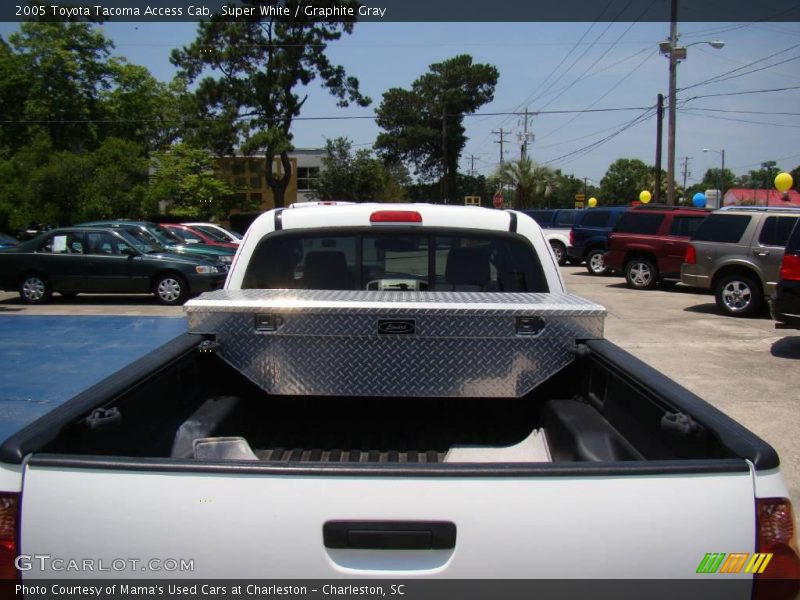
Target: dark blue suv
589	236
559	218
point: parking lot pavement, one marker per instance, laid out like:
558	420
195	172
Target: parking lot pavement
744	367
131	305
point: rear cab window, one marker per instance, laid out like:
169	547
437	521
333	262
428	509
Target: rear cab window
431	260
722	228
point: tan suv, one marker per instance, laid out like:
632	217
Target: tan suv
737	253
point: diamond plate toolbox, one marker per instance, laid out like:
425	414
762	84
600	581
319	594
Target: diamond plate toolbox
368	343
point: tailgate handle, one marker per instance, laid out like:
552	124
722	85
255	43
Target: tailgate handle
389	535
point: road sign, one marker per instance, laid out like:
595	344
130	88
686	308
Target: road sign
580	197
472	200
578	204
497	199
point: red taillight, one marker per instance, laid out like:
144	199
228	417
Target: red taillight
790	267
776	536
395	216
571	237
9	515
691	255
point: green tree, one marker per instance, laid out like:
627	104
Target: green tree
67	67
258	67
139	108
14	90
763	178
532	183
424	125
625	179
358	176
183	182
795	173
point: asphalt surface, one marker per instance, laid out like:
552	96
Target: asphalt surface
744	367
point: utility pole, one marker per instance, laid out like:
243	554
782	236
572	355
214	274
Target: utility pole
673	67
472	165
501	133
445	186
525	137
686	171
659	135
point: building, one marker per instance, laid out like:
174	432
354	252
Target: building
247	175
769	197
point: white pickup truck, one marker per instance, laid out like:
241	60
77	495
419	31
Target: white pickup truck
393	391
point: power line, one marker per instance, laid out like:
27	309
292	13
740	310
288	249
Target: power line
611	89
724	76
688	111
647	114
746	112
603	55
764	91
323	118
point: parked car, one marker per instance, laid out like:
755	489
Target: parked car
99	260
559	218
784	304
193	235
737	253
165	238
649	243
589	236
556	224
6	241
225	235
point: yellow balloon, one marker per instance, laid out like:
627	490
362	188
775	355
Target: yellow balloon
644	197
592	202
783	181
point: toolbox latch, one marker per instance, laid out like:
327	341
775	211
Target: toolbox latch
266	322
530	325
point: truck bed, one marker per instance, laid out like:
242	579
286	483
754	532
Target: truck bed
593	411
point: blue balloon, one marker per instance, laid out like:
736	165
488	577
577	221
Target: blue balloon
699	200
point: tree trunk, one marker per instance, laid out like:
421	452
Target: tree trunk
278	185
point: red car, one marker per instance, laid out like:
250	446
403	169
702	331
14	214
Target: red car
649	242
192	235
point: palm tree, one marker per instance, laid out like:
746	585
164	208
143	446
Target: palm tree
532	182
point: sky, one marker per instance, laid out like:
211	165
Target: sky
551	67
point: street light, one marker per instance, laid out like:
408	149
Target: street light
675	54
721	178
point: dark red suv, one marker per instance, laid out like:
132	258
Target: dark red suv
649	243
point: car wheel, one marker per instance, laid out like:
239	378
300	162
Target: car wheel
641	274
595	263
561	253
35	289
171	289
738	295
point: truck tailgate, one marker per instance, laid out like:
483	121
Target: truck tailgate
236	522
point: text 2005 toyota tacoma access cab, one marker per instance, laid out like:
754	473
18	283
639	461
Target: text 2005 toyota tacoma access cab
395	390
